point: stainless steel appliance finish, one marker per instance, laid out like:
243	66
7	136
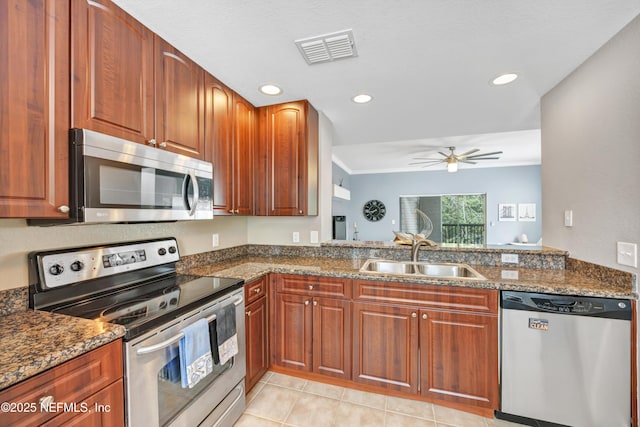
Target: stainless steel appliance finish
152	399
135	284
565	360
114	180
426	269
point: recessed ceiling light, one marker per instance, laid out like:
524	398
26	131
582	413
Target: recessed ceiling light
270	90
504	79
363	98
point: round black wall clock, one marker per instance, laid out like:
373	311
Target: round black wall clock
374	210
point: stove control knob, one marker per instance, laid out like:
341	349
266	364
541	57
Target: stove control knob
172	249
76	266
173	301
56	269
163	305
162	251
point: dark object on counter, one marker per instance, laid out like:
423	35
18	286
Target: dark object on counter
339	227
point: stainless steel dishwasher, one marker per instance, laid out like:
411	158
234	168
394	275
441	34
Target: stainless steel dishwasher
565	360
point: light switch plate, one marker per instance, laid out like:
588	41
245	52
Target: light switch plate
509	274
215	240
628	254
568	218
296	237
313	236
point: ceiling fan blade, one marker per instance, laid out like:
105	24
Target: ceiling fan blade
441	153
484	154
426	158
468	152
482	158
467	161
430	162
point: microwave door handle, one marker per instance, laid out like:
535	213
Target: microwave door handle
196	192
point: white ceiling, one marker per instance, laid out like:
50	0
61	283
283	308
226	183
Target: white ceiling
427	63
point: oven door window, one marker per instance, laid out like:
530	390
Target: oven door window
172	398
112	184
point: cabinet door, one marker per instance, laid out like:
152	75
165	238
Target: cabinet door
385	346
293	331
112	86
34	108
104	409
219	143
332	337
459	357
257	337
243	145
179	101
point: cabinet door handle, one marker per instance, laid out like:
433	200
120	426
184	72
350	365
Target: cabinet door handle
249	313
257	290
236	211
424	316
315	303
63	209
306	302
300	211
152	142
163	145
310	287
45	401
414	314
230	211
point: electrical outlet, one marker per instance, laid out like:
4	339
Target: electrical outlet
215	240
313	236
509	258
628	254
296	237
510	274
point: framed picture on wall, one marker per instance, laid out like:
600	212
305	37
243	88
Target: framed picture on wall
507	212
527	212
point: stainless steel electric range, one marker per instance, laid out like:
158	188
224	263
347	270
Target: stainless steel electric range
135	284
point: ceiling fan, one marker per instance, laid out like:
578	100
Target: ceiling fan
452	159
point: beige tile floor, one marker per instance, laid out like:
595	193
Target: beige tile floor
281	400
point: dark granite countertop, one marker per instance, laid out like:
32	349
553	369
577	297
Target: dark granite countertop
34	341
566	282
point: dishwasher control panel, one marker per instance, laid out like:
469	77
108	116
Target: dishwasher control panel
567	304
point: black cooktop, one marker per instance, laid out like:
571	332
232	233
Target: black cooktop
145	306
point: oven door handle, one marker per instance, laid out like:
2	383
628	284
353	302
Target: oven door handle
177	337
166	343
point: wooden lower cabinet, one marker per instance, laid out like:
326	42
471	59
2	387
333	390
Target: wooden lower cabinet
441	355
257	337
85	391
313	334
385	349
459	357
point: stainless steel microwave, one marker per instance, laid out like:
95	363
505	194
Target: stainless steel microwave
114	180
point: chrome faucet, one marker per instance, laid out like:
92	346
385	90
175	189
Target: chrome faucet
415	246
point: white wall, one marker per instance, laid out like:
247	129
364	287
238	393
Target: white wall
17	239
279	230
591	153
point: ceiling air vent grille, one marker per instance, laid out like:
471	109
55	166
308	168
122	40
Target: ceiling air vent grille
328	47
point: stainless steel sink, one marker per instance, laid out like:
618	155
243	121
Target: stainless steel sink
421	269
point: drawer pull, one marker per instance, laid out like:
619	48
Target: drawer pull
152	142
163	145
257	290
46	401
424	316
249	313
306	302
414	315
315	303
63	209
310	287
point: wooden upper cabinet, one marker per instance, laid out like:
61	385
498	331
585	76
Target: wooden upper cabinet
219	142
179	101
244	131
287	160
112	85
34	108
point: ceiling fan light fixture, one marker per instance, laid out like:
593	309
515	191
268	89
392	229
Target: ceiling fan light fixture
270	89
362	98
452	165
504	79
